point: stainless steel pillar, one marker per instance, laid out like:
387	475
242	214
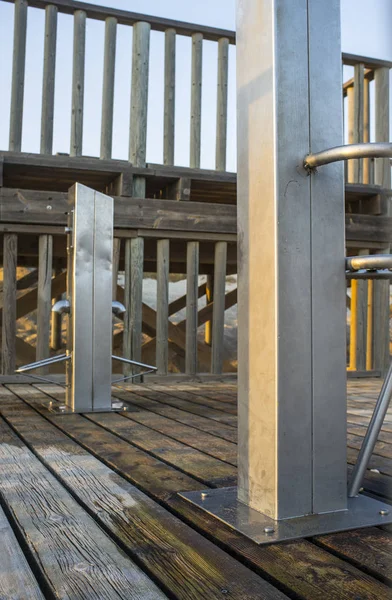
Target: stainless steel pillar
89	292
292	471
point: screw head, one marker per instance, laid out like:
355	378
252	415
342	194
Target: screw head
384	512
49	207
269	530
204	495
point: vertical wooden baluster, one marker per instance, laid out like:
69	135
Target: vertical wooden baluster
221	108
139	101
192	276
79	50
382	177
169	97
18	75
108	87
362	304
218	319
197	60
133	295
8	339
353	326
351	128
359	84
162	345
209	298
366	178
369	331
48	83
44	306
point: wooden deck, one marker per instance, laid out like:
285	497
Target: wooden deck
89	505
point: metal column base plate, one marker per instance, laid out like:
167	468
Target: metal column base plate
62	409
223	504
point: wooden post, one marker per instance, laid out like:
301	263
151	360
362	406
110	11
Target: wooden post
366	178
8	339
108	87
362	310
218	318
192	277
221	105
369	329
56	320
44	306
359	85
48	80
162	344
353	325
133	295
139	101
351	127
169	97
381	300
18	74
197	60
79	47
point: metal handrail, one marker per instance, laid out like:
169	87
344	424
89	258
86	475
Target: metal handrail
370	262
348	152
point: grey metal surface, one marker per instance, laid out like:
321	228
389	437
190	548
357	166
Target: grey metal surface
118	308
373	261
224	505
328	283
347	152
43	363
291	282
372	433
274	269
102	300
61	307
62	409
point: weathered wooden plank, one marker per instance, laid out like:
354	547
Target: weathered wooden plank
382	110
8	350
359	118
196	83
361	315
162	331
149	532
75	557
207	469
18	75
192	284
218	318
79	49
169	97
48	83
108	87
139	102
133	293
209	299
369	549
16	577
116	264
149	400
306	570
221	108
44	297
183	392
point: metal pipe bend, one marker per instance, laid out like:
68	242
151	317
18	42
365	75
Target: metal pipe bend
348	152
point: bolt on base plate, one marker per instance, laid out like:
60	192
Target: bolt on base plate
223	504
62	409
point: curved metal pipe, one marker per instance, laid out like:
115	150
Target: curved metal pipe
61	307
118	308
347	152
373	262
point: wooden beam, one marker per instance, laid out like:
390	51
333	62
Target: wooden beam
196	83
221	105
48	84
9	301
134	251
169	97
79	48
192	274
218	319
18	75
108	87
44	305
162	329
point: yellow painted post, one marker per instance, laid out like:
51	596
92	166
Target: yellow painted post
369	330
353	326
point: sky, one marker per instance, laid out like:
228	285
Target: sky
366	30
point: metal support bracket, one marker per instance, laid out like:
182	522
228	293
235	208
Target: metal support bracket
223	504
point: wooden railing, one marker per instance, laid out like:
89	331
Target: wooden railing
160	234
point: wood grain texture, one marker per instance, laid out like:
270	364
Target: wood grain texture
196	85
8	336
162	331
108	87
169	99
79	49
18	75
75	557
48	84
44	297
16	577
192	284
